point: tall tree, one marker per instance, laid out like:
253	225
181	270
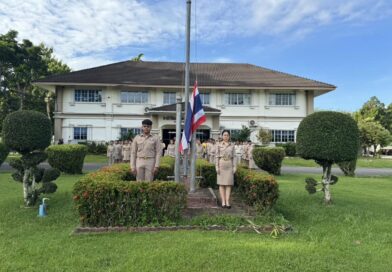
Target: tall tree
20	64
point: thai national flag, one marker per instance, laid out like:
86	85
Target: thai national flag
194	118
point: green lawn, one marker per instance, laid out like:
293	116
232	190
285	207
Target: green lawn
90	158
362	162
354	234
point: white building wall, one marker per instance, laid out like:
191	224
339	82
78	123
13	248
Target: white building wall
104	126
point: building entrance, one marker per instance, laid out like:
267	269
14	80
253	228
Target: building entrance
168	134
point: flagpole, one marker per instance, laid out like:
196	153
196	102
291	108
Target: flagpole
188	45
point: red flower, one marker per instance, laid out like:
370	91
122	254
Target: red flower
85	195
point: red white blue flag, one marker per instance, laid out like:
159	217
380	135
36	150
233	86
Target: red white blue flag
194	118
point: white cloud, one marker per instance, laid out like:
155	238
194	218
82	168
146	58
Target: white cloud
83	31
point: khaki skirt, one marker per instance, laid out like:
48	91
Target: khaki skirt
226	176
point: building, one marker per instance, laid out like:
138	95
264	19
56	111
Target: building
100	103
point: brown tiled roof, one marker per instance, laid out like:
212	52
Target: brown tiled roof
172	108
172	74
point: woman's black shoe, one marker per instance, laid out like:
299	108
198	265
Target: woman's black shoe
224	206
228	207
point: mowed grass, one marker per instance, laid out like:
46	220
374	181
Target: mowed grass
354	234
361	162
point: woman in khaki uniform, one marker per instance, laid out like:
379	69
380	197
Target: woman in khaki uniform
226	166
126	151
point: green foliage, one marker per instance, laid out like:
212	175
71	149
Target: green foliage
94	148
105	198
26	131
37	180
264	136
258	189
207	171
348	168
328	136
166	168
290	148
372	133
67	158
269	158
3	153
375	111
21	63
243	135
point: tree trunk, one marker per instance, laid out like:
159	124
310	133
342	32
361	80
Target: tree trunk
26	187
326	183
21	96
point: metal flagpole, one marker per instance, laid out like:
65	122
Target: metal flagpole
177	174
188	45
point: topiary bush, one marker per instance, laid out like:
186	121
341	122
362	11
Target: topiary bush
25	131
327	137
207	171
269	158
106	198
68	158
348	167
3	152
259	189
290	148
29	133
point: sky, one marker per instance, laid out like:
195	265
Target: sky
347	43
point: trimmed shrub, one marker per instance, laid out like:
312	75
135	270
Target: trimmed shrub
3	153
104	198
207	171
29	133
25	131
166	168
94	148
327	137
290	148
348	168
269	158
259	189
68	158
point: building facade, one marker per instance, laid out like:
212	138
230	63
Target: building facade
101	103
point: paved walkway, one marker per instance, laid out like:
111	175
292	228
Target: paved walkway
285	170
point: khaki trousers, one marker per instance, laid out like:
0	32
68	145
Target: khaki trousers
145	169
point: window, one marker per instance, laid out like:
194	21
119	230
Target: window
283	136
169	98
92	96
237	99
80	133
135	131
282	99
134	97
205	98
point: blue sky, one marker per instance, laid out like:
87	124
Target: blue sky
345	43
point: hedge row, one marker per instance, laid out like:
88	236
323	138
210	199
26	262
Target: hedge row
290	148
3	153
259	189
68	158
106	198
269	158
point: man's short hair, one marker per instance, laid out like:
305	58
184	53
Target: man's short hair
147	122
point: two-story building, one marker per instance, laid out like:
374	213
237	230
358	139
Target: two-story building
101	103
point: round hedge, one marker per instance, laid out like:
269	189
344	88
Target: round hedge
3	153
25	131
269	158
68	158
328	136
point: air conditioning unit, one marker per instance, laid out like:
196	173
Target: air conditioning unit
252	123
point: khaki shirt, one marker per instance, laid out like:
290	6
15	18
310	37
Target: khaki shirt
145	147
225	151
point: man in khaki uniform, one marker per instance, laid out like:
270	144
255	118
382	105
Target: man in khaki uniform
145	153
